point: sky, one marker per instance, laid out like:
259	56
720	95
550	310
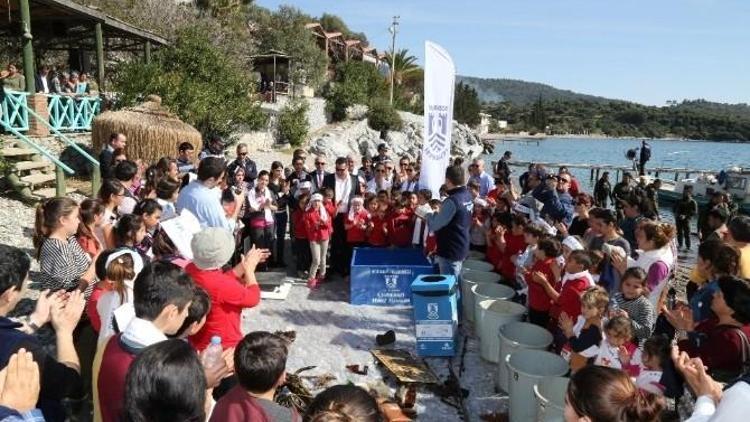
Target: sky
643	51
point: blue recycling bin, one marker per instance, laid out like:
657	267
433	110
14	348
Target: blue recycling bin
382	277
434	298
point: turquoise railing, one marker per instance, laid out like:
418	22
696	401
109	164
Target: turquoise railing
15	111
66	113
72	113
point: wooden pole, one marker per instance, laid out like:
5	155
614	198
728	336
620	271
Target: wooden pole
60	189
274	79
100	54
147	52
28	48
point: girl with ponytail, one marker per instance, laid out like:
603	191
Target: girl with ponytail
343	403
601	394
62	262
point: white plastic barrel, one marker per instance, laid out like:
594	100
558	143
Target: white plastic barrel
477	255
526	369
470	278
477	265
514	336
484	291
550	398
491	315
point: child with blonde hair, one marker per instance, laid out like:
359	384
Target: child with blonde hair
585	334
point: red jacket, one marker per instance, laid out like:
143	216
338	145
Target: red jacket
377	235
228	298
317	229
570	298
538	299
430	245
239	406
91	311
354	231
720	349
513	245
400	229
330	207
116	361
298	222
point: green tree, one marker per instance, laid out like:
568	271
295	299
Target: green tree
538	117
466	106
355	83
293	124
197	81
404	65
284	30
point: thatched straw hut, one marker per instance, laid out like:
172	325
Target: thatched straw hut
152	131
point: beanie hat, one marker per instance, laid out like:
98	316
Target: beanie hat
212	248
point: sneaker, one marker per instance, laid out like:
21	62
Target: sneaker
312	283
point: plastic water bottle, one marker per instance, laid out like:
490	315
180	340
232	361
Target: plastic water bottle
212	355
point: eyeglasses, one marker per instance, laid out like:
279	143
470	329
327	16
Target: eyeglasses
564	180
409	170
320	163
389	168
242	154
473	166
341	169
380	171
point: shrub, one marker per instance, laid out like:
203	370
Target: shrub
355	83
382	116
293	124
200	83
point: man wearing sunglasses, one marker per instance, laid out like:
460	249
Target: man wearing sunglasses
319	174
244	161
345	187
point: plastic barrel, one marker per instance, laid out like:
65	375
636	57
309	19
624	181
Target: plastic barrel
526	369
477	265
486	291
491	315
514	336
550	398
477	255
470	278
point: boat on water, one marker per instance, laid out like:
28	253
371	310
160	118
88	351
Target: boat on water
735	182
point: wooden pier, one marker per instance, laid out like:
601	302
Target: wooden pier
596	169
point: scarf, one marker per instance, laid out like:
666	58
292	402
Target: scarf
322	209
575	276
254	199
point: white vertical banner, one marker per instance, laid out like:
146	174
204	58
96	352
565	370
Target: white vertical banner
439	81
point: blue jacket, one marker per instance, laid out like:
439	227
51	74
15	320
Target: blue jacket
451	225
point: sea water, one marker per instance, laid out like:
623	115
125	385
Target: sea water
697	155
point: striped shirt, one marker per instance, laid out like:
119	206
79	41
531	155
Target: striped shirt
62	263
641	314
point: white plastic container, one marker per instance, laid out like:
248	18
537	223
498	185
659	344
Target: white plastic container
484	291
491	315
550	398
477	255
514	336
469	279
477	265
526	369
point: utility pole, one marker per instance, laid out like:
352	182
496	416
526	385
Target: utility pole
393	29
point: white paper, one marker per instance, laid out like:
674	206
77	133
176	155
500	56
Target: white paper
181	230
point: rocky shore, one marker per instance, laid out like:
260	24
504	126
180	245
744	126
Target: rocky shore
356	138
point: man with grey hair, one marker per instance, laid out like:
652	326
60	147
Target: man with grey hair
485	181
243	161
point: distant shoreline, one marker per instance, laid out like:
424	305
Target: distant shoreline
526	137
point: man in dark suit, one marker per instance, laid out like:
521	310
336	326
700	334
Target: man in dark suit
106	166
42	81
319	174
345	187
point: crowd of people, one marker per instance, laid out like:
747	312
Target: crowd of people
50	80
152	335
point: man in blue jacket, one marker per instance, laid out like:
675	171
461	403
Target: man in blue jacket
451	224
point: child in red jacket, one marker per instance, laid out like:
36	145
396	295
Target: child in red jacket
376	231
328	203
356	223
401	225
301	245
545	256
319	228
513	244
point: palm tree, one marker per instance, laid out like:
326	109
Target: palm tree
404	67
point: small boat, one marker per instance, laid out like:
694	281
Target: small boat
736	183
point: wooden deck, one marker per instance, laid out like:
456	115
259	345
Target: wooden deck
596	169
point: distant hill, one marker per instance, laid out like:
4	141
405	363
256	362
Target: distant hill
522	92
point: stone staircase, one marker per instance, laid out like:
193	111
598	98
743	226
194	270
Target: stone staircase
27	172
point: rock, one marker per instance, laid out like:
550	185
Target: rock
355	137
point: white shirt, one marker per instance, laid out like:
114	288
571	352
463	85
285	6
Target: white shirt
734	405
45	86
342	192
374	187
